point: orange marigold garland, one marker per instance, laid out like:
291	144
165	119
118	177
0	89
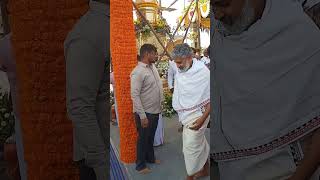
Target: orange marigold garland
124	59
39	28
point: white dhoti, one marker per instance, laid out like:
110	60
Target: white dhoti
190	99
195	147
159	136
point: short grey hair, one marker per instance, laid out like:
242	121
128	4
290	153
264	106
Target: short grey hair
181	51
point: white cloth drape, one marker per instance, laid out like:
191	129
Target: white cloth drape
195	147
192	91
159	136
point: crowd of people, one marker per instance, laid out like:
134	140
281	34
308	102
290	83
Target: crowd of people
266	111
193	111
187	76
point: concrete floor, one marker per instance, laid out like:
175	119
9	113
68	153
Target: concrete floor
172	165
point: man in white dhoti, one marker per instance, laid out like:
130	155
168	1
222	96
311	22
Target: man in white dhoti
191	100
266	91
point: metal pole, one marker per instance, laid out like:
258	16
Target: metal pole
184	16
198	24
172	3
160	12
185	35
182	19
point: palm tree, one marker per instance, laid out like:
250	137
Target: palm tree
124	59
38	31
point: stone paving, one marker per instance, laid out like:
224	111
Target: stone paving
172	165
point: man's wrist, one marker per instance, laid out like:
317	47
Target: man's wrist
142	115
203	118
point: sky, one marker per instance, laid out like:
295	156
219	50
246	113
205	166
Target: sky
172	17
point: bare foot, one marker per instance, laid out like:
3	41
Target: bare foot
145	171
158	145
204	172
157	161
189	178
154	162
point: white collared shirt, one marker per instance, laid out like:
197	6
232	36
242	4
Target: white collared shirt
172	71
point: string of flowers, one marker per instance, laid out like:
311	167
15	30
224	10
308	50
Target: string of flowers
124	59
162	67
167	108
141	27
39	29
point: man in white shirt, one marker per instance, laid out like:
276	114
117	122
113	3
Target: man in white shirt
205	59
171	75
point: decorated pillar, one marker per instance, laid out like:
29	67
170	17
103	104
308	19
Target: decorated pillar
124	59
39	28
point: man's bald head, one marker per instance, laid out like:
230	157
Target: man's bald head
237	15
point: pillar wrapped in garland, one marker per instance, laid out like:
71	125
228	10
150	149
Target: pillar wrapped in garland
39	28
124	59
